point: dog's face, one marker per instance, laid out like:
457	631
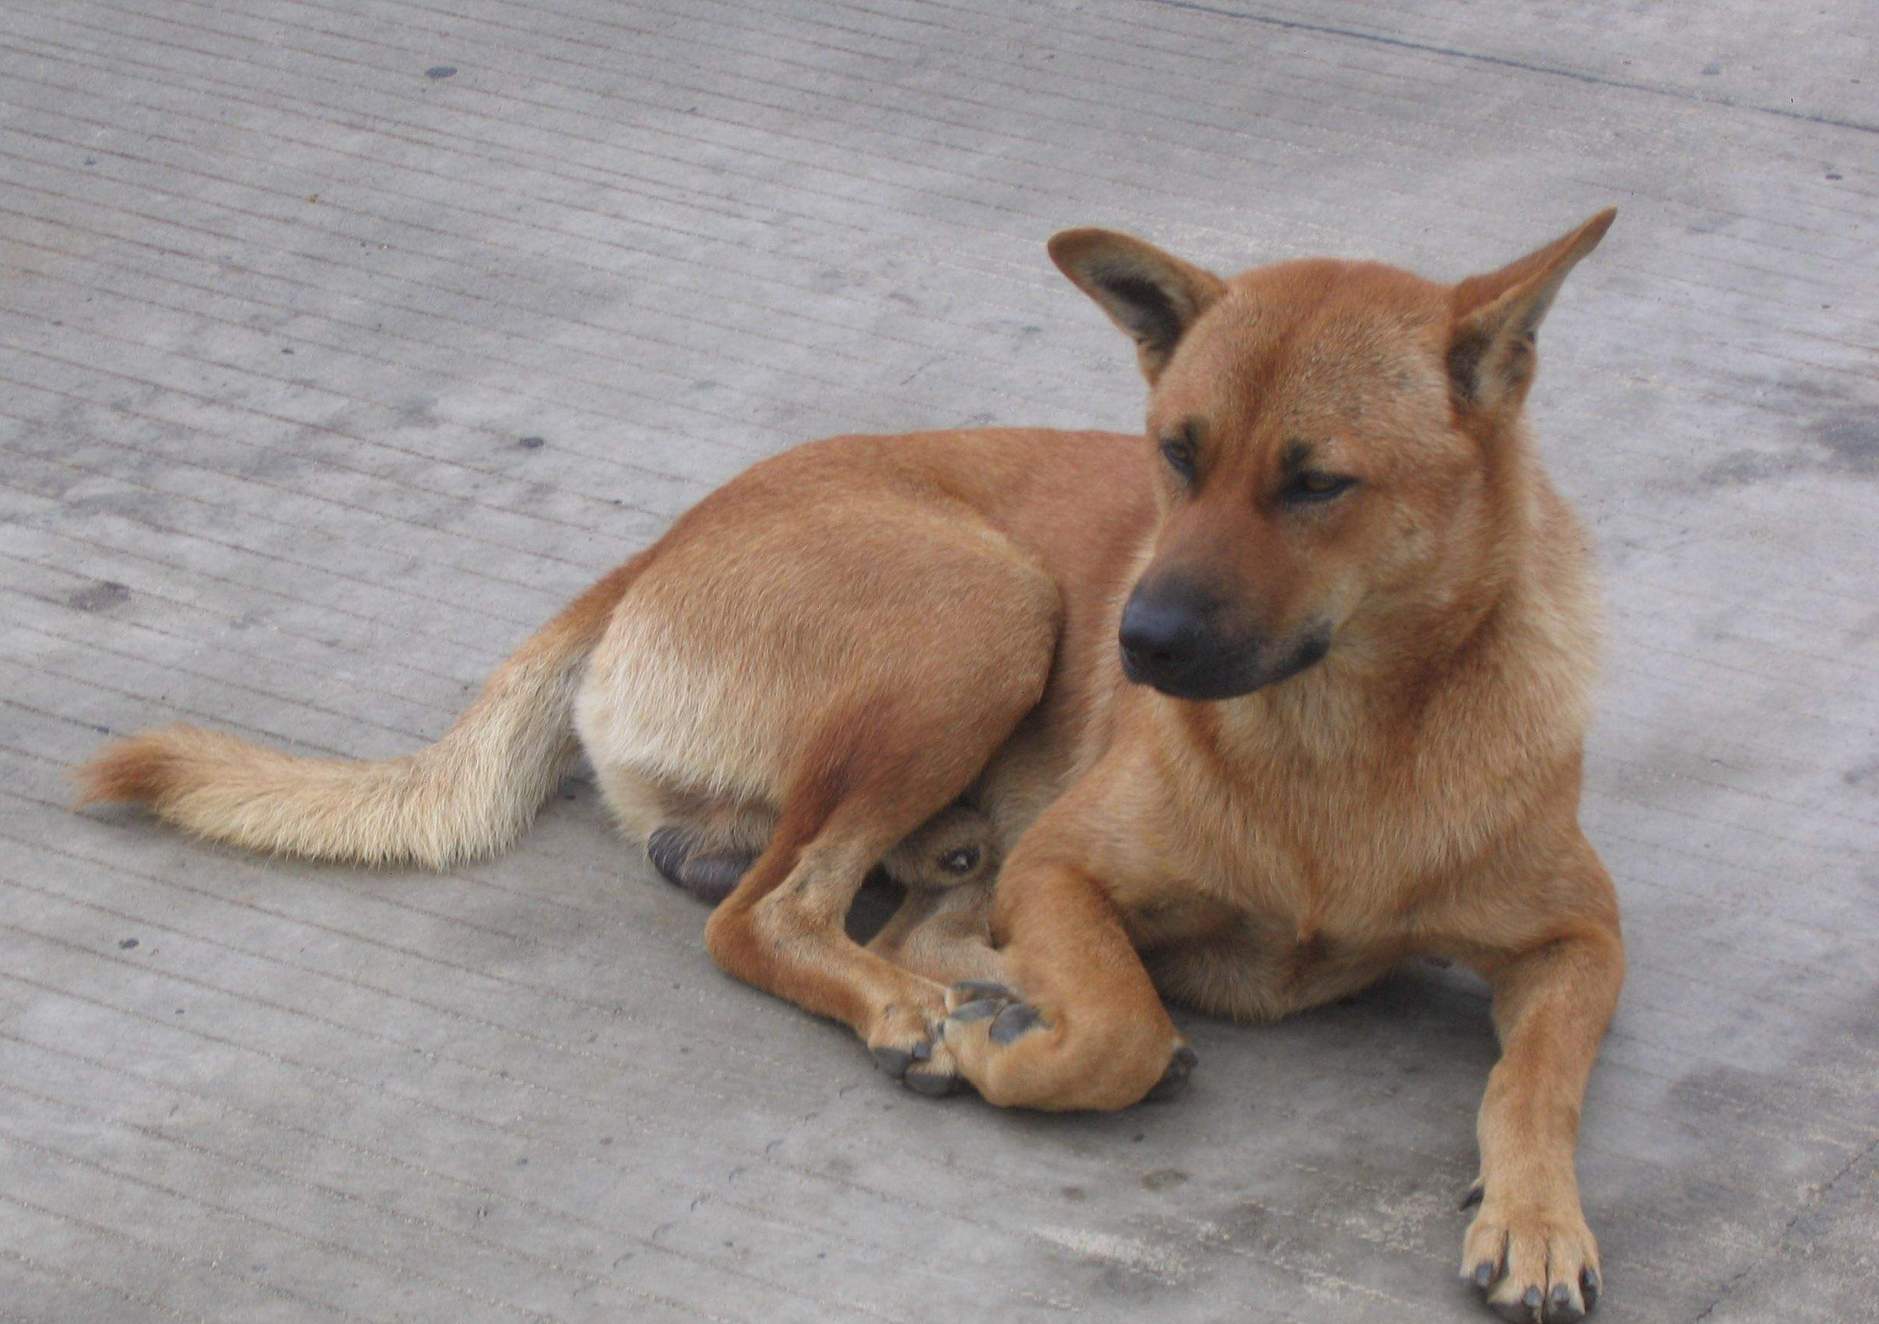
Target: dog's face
1333	440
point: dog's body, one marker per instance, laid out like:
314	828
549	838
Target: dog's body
1361	622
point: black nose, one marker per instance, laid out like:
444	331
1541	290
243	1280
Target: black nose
1162	635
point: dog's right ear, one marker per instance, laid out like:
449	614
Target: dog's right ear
1492	343
1153	296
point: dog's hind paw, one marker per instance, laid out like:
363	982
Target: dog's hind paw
708	875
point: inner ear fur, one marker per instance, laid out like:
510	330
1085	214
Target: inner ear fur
1496	318
1153	296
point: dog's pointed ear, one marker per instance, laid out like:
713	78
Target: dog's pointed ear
1496	317
1153	296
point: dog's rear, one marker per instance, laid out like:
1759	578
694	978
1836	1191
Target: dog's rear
470	794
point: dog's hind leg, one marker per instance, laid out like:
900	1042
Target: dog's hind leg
876	773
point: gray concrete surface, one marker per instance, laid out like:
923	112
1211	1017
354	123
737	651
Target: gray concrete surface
289	289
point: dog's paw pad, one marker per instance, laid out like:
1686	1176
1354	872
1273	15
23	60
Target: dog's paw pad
897	1061
933	1084
894	1061
982	1010
1015	1021
969	991
934	1073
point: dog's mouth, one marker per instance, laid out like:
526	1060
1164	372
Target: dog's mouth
1212	674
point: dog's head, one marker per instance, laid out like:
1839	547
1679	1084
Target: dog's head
1339	449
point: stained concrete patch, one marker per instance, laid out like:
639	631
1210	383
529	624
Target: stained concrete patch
1843	443
102	596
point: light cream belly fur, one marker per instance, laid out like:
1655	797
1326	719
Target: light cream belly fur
669	729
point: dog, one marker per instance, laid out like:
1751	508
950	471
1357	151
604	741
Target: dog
1252	707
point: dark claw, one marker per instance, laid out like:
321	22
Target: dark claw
973	990
1484	1275
1473	1198
894	1061
1014	1021
1531	1298
1559	1306
1174	1079
922	1051
1516	1312
1588	1286
980	1010
933	1084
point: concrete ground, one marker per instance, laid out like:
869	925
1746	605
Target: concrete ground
342	340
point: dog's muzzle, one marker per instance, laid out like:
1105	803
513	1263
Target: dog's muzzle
1174	640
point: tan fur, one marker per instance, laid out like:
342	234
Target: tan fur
471	794
826	659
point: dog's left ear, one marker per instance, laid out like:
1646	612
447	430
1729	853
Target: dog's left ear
1153	296
1491	343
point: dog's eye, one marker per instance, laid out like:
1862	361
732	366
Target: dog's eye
962	860
1314	486
1179	453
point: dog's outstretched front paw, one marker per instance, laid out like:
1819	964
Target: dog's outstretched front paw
1531	1264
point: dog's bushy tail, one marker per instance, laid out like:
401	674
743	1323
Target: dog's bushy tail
470	794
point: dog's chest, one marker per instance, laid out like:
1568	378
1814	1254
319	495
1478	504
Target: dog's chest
1320	884
1257	966
1267	926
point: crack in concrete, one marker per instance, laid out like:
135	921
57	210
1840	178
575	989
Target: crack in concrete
1508	62
1807	1206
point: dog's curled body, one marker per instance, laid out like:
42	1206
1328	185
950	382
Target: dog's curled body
1344	724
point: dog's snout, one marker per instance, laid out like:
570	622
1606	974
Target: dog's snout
1158	634
1167	634
1190	644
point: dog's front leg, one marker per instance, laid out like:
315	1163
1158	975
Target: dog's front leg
1529	1250
1084	1027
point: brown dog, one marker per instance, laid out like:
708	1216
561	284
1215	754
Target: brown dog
1359	625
